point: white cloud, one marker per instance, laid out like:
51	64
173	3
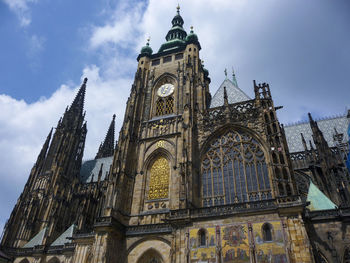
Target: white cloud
36	45
21	9
121	29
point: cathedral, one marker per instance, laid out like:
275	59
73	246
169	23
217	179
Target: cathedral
191	178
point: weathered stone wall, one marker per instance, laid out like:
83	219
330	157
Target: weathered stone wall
329	239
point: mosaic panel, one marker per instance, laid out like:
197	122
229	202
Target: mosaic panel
269	251
235	244
205	253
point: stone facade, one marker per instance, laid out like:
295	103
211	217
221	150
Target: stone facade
186	182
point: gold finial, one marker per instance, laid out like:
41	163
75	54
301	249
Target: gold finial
178	7
225	72
148	39
191	29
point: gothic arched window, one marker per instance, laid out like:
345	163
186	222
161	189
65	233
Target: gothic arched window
266	230
165	106
159	179
234	170
202	238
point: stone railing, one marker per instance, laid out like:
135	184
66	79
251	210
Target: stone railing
148	229
222	209
330	213
237	112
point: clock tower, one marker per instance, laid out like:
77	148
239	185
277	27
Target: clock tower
156	145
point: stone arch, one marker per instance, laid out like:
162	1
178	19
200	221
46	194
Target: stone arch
166	76
220	131
144	239
155	148
53	260
150	256
151	245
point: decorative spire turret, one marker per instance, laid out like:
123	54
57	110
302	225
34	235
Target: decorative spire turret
225	97
176	35
303	141
146	50
234	80
106	148
317	135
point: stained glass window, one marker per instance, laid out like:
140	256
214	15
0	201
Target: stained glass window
234	170
159	179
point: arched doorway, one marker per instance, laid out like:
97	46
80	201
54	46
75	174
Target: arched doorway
150	256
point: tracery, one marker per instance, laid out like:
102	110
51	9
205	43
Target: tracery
234	170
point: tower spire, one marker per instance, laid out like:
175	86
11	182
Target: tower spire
74	115
78	102
106	148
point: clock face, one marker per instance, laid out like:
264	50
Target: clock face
165	90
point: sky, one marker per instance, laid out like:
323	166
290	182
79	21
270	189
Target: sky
301	48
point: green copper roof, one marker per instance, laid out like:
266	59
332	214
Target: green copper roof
318	200
65	237
37	239
192	38
146	50
176	35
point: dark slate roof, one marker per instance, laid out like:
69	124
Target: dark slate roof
234	94
92	168
37	239
326	125
65	237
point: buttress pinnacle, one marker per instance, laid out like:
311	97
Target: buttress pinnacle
106	148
